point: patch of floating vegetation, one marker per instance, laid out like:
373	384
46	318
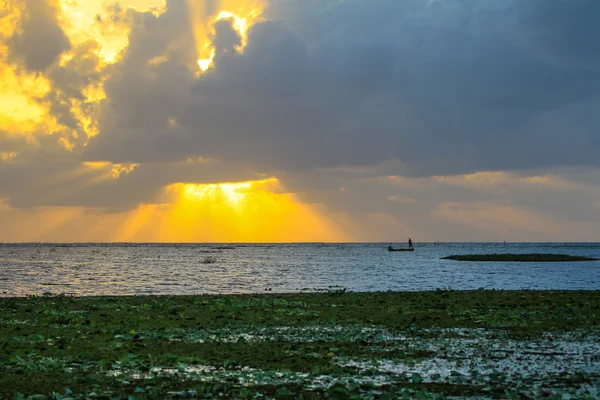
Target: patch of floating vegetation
438	344
533	257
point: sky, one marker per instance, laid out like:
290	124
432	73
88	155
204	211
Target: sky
299	120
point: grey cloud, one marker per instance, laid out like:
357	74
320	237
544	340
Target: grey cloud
564	31
39	146
69	183
572	196
11	143
69	82
226	39
405	198
145	91
81	71
169	34
442	86
41	40
432	88
211	7
42	146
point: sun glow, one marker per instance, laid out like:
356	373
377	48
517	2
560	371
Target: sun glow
85	20
207	62
112	170
18	94
240	24
253	211
6	155
232	193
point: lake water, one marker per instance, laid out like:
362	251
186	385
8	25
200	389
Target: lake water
142	269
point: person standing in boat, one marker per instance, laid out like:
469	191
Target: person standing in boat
410	245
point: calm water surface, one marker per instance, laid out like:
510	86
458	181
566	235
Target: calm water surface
119	269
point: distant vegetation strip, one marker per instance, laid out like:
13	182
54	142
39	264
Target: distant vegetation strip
534	257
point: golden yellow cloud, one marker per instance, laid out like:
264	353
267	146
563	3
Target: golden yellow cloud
98	33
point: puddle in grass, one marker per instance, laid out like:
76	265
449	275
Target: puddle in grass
567	364
553	364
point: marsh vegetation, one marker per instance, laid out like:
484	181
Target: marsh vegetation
337	344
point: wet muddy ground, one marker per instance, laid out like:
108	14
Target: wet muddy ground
437	344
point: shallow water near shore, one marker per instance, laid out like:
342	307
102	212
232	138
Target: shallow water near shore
144	269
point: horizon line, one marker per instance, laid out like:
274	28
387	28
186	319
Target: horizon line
296	242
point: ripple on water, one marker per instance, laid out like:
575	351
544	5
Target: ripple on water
166	269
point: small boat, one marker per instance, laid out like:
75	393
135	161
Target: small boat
393	249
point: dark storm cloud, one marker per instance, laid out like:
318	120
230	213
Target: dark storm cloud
41	40
414	88
445	87
565	31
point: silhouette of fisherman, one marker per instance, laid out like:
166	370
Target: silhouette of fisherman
410	245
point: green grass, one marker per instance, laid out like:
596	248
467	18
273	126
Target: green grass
327	345
534	257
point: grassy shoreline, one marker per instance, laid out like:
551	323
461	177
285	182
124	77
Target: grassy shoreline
308	345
